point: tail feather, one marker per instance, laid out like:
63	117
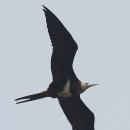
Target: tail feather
33	97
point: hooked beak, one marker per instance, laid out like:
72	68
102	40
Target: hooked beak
90	85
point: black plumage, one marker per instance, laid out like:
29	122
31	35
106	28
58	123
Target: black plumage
78	114
65	86
64	50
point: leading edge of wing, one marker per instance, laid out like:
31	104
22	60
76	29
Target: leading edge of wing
78	114
59	35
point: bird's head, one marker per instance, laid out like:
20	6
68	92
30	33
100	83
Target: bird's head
85	86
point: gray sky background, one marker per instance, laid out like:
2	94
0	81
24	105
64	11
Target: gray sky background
102	31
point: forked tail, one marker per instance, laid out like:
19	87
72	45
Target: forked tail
33	97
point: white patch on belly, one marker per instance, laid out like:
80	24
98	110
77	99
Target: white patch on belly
66	92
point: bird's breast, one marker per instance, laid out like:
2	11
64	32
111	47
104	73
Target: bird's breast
70	89
66	90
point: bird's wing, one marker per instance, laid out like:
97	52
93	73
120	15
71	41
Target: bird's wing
78	114
64	47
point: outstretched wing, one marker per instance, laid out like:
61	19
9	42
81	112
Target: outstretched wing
64	47
78	114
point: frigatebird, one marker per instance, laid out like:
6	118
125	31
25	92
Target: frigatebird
65	86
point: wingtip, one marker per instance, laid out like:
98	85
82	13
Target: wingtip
44	8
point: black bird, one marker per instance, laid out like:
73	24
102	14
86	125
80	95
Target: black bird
66	87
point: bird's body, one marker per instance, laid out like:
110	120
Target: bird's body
65	86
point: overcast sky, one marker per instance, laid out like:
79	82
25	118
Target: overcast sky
101	29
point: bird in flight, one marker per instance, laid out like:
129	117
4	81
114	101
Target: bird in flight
65	85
